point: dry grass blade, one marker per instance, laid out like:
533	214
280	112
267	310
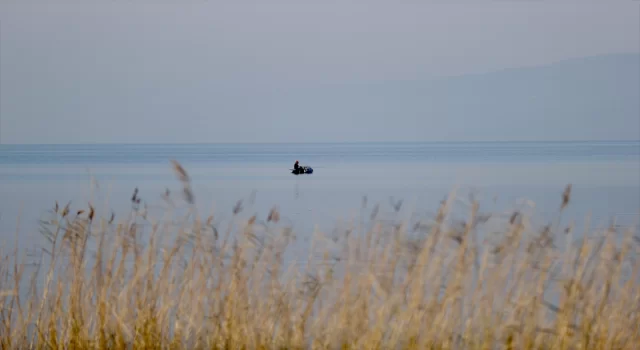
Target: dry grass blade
7	293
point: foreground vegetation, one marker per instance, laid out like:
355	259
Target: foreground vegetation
442	282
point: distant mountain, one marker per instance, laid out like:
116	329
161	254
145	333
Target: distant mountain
589	98
594	98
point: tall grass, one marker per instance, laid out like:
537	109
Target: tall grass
440	283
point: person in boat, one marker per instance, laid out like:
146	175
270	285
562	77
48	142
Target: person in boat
296	166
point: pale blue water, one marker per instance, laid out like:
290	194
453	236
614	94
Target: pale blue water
605	178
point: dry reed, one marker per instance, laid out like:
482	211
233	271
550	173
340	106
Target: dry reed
439	283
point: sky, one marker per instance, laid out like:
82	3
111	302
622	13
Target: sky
296	71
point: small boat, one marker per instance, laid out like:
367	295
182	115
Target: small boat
302	170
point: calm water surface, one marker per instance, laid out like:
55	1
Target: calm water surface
605	178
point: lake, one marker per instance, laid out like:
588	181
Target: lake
605	178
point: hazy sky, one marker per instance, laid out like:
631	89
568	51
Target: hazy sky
202	71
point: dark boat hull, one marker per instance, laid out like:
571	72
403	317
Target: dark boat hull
302	170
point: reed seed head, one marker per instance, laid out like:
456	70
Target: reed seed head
566	196
237	208
180	172
65	210
274	215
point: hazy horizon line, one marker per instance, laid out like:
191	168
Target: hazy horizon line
316	142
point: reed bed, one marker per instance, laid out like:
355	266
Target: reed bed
442	282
